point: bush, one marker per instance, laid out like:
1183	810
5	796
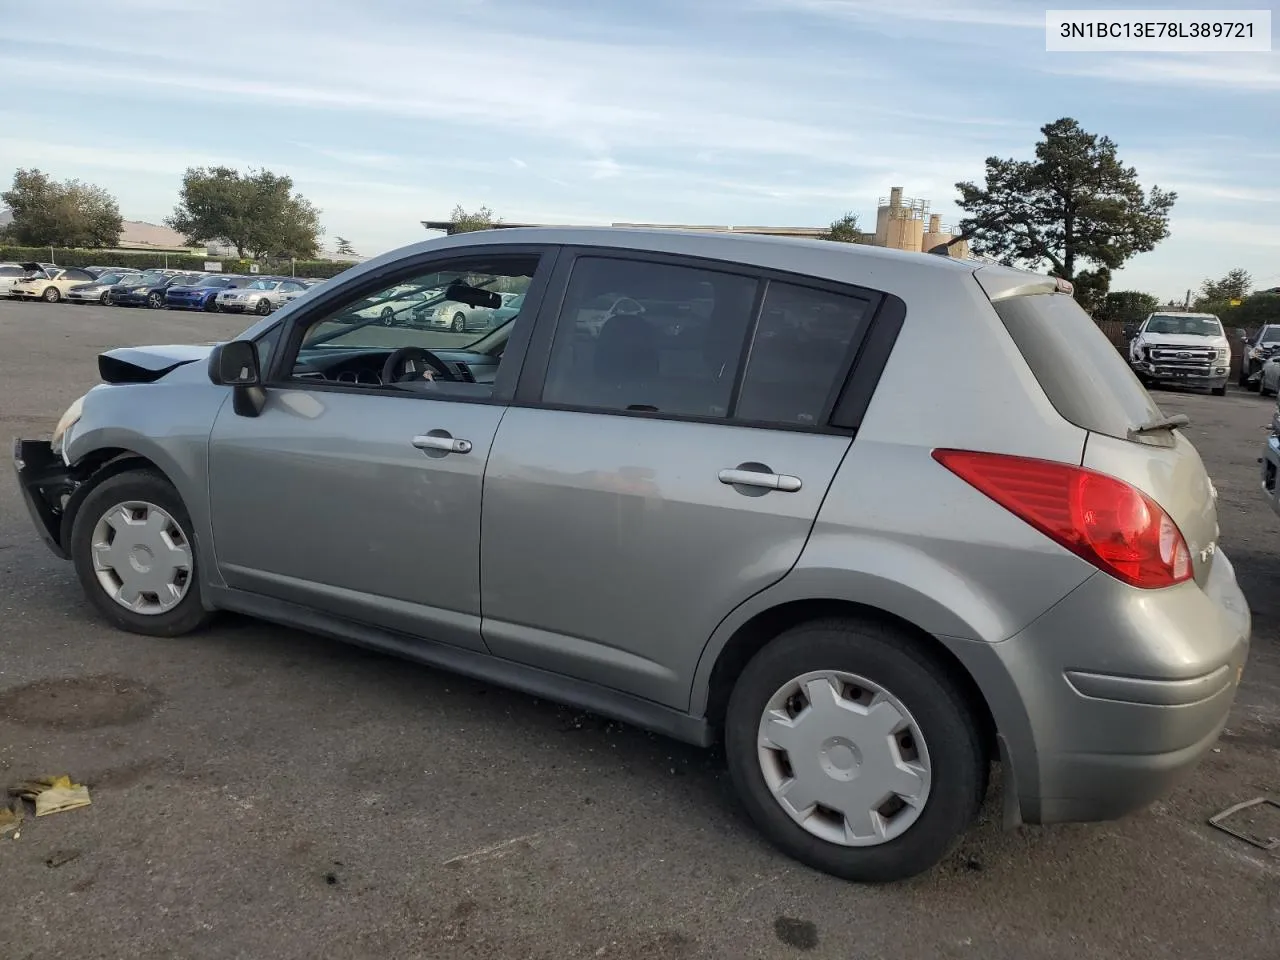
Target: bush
315	269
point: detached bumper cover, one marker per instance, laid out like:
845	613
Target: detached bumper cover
45	483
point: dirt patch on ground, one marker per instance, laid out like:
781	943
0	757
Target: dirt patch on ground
79	703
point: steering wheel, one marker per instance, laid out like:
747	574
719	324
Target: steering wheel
409	363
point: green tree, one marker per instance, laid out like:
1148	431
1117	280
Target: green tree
67	214
1127	306
844	230
343	247
258	213
1074	205
463	222
1234	286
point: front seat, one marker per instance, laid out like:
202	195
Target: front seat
627	363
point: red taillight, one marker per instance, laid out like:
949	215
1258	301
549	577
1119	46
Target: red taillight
1113	525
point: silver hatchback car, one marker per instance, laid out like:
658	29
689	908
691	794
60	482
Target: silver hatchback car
731	514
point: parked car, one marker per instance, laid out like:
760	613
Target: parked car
203	294
49	285
261	296
1257	350
395	307
288	296
98	290
511	304
151	288
452	315
10	273
99	271
1185	348
867	591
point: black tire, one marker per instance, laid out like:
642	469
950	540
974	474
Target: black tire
51	295
155	300
1221	391
105	298
387	317
146	485
263	307
211	305
960	762
1243	379
459	323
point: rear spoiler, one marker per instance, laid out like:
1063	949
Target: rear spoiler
1004	283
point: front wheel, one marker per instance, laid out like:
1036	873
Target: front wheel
1220	391
135	557
52	295
854	751
459	323
105	299
264	307
155	300
387	317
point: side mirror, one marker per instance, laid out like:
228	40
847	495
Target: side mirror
235	364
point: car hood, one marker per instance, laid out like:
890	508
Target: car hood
90	285
191	288
148	364
1183	339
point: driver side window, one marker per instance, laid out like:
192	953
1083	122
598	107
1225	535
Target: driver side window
442	330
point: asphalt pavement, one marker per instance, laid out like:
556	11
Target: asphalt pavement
262	793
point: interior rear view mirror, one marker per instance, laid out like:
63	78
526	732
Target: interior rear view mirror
472	296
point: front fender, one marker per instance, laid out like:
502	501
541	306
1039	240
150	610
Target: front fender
167	424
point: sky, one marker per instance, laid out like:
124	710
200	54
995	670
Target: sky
778	112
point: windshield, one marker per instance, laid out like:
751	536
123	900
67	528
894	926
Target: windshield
408	314
263	285
1269	334
148	278
111	277
1186	325
215	282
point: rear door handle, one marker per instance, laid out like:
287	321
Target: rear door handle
447	444
770	481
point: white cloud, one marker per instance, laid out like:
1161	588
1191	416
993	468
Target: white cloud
518	163
1244	72
926	11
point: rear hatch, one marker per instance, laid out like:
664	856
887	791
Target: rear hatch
1130	438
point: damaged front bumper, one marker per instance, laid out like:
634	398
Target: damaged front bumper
46	484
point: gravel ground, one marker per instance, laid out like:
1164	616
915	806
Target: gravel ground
260	792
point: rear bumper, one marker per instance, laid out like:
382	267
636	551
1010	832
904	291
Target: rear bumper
45	483
1111	698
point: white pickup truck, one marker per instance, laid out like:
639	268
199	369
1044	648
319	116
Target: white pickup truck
1188	348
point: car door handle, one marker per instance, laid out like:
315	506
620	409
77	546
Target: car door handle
770	481
447	444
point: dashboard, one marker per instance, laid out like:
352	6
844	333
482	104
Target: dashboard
365	366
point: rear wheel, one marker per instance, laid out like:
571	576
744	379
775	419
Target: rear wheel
135	557
155	300
854	751
51	295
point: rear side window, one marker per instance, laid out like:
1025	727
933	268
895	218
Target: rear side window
1081	373
652	337
802	348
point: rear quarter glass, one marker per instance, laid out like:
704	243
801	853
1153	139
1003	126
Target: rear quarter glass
1079	369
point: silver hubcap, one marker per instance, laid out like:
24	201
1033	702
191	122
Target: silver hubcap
141	557
844	758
